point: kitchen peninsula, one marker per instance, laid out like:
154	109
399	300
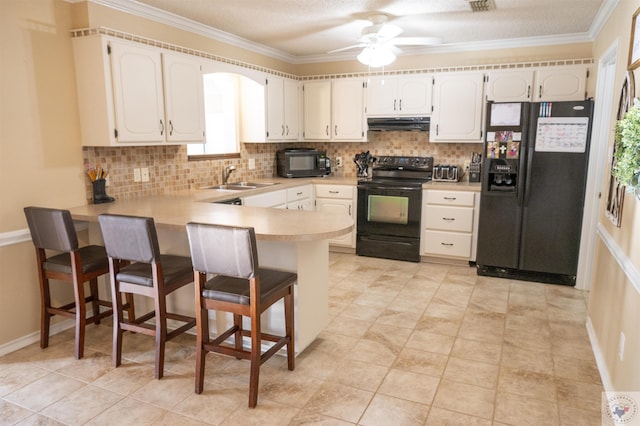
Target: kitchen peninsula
287	239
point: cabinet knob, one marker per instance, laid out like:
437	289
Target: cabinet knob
283	130
161	128
170	128
327	130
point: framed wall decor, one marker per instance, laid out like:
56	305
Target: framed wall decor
615	197
634	46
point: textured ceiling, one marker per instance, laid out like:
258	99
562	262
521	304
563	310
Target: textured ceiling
304	28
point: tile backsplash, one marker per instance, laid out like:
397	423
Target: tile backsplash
170	169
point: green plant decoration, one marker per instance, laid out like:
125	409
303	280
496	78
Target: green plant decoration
627	149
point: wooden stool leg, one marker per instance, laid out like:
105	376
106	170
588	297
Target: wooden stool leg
237	321
131	310
95	305
161	333
256	351
202	338
116	299
289	327
81	315
45	316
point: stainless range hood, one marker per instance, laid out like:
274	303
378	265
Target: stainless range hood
416	124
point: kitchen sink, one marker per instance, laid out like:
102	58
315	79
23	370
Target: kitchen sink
254	184
240	186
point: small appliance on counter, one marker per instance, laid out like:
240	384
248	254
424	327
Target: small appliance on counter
446	173
302	162
475	168
363	161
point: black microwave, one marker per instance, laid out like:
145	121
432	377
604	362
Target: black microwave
302	162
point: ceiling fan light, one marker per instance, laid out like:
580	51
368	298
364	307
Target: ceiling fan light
376	55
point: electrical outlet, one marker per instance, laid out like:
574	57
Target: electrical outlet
466	164
338	161
144	174
621	346
136	175
252	163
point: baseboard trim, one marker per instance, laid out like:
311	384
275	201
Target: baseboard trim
600	361
34	337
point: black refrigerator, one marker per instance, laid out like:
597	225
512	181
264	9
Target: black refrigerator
533	186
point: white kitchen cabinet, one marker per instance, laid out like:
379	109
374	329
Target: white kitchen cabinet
184	97
347	109
449	224
510	85
561	84
317	110
300	198
273	199
282	109
133	94
334	110
338	199
458	105
405	95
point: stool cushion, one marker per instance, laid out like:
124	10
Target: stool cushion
236	290
93	258
173	269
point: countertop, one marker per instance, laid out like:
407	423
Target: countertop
176	210
212	195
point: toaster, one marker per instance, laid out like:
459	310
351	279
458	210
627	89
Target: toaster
446	173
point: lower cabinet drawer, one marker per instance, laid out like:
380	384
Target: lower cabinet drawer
447	218
448	244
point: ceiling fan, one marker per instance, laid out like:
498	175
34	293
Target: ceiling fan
379	41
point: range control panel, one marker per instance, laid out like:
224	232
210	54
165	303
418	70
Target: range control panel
404	163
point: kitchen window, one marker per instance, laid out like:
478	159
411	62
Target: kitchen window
221	108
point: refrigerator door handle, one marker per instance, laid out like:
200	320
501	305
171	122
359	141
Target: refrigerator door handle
529	160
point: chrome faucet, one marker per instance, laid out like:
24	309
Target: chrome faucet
226	172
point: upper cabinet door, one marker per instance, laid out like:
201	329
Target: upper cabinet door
291	109
510	86
275	108
138	97
561	84
415	95
457	107
317	110
382	95
399	95
348	109
184	98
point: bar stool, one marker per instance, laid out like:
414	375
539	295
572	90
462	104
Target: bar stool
239	287
53	229
136	266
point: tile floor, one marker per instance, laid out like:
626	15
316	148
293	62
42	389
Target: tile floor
407	344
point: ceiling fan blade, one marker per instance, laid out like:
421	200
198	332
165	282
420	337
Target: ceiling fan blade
342	49
389	31
415	41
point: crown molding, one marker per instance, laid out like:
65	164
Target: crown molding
157	15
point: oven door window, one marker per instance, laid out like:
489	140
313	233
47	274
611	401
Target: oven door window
388	209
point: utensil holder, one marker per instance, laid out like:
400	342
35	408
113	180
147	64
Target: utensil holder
100	192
